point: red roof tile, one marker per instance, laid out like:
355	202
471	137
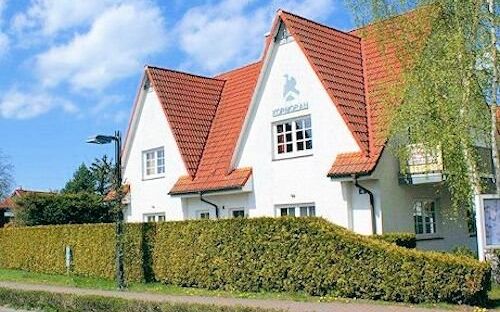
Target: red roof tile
9	201
214	171
189	103
382	69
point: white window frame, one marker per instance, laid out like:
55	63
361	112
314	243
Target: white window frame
200	212
159	167
232	210
155	216
297	209
294	135
425	235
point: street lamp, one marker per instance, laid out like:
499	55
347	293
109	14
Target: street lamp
119	254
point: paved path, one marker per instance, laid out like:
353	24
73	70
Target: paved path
291	306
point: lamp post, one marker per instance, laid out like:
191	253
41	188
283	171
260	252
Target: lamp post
119	254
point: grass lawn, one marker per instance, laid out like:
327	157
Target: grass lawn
97	283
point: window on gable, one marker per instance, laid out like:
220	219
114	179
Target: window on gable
153	163
424	216
283	35
293	137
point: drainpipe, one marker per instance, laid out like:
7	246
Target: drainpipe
372	203
211	204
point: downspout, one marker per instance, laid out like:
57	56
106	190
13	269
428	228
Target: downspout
211	204
372	203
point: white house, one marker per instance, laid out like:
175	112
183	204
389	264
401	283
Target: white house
297	133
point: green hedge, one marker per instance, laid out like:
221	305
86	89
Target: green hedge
407	240
41	249
267	254
69	303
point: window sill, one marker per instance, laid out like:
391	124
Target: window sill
292	157
428	238
153	178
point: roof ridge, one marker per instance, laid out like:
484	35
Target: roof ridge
182	72
388	18
235	69
320	24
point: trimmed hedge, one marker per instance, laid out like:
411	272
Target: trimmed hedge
47	301
307	255
41	249
407	240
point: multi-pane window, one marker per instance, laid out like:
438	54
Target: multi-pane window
154	217
424	215
238	213
202	215
293	137
154	163
307	210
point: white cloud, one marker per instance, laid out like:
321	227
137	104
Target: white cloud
230	32
115	47
48	17
4	39
21	105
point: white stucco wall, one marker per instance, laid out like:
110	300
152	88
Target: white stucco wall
152	131
397	204
302	179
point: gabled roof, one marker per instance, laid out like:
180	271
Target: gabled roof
214	172
207	114
189	103
8	203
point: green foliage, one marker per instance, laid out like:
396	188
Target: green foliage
47	301
464	251
104	175
446	75
407	240
43	209
275	255
83	181
41	249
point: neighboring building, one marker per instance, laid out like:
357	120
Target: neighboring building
297	133
8	204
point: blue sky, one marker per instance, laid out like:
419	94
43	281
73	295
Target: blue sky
70	69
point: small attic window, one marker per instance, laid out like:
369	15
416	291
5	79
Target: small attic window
283	35
147	86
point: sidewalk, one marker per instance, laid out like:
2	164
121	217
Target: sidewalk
292	306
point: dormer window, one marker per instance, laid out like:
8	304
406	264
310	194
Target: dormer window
153	163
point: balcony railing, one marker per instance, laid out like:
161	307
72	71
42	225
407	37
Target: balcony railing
424	165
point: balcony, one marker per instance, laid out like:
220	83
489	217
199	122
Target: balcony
423	166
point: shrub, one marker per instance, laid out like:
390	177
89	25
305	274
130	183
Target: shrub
47	301
310	255
407	240
41	249
267	254
44	209
464	251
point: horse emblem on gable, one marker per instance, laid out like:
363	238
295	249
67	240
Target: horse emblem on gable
290	91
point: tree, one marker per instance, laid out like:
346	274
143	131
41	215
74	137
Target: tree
103	172
45	209
444	84
82	182
5	176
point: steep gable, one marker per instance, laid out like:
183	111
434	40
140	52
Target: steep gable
214	172
336	58
190	103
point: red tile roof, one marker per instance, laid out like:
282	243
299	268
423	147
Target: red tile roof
214	171
189	103
382	70
9	201
207	114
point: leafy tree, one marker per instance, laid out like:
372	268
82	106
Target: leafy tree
44	209
103	172
82	182
444	51
5	176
